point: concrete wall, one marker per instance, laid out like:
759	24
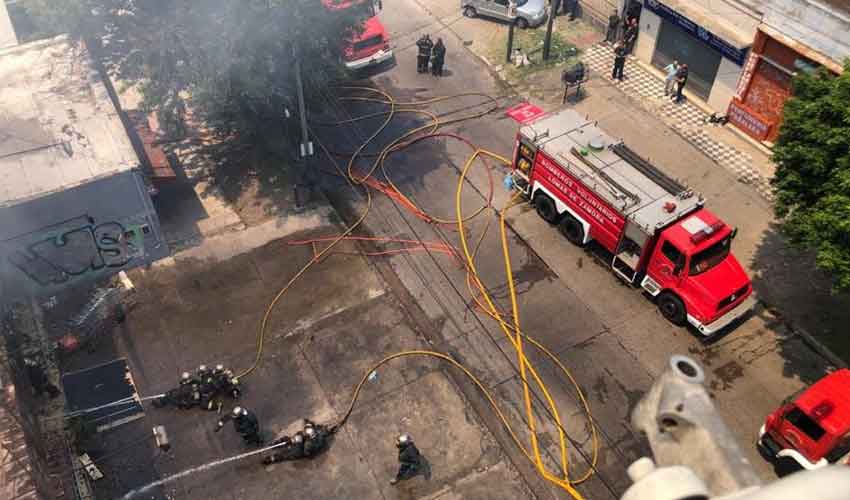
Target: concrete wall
648	35
814	24
724	86
78	235
8	37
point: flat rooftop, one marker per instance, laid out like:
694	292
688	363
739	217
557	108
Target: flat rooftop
58	126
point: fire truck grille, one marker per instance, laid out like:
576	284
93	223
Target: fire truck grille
735	296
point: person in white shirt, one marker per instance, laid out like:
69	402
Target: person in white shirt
670	79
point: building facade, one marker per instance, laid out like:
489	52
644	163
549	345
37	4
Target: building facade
712	38
794	36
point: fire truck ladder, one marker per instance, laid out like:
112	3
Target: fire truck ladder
667	183
616	188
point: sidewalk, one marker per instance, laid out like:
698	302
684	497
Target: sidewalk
749	164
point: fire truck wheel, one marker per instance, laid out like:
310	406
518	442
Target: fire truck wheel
546	208
572	230
784	466
672	308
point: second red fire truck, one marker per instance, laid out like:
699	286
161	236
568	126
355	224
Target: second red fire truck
658	232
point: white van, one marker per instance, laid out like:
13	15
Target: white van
526	13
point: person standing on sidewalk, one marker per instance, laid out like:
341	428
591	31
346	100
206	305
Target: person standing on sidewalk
681	80
425	45
630	36
671	70
619	62
613	25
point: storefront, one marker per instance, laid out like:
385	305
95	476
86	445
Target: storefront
675	30
765	83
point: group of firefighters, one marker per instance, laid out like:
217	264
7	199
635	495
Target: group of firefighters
208	389
433	52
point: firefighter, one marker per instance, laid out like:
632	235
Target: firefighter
439	58
409	459
316	438
289	449
245	423
425	45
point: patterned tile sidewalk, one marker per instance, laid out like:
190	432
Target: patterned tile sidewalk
686	119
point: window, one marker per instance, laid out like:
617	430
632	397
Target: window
369	42
711	256
800	420
503	3
674	255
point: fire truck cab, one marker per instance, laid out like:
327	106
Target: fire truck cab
659	235
372	45
812	428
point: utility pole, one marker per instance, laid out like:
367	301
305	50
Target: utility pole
510	42
547	42
305	148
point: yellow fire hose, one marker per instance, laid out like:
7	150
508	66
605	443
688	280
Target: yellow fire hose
512	331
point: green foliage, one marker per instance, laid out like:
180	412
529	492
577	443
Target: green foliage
812	181
231	61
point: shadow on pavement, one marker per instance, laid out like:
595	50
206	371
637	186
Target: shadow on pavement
798	294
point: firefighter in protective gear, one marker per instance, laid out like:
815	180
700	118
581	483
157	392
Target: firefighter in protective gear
425	45
316	438
245	423
185	378
409	459
289	449
439	58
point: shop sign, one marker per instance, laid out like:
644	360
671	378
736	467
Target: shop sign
746	75
747	122
727	50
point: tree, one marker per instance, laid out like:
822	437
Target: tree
231	61
812	180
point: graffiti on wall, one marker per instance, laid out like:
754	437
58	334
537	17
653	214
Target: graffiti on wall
77	249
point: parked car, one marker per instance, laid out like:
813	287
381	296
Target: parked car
528	13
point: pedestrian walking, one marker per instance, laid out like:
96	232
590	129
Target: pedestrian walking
619	62
681	80
438	58
246	425
630	36
613	26
671	70
425	45
409	459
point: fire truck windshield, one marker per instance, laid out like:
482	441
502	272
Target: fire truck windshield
800	420
711	256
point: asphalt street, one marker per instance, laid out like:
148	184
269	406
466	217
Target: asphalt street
609	335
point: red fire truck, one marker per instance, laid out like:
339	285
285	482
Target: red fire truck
657	231
372	46
812	428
